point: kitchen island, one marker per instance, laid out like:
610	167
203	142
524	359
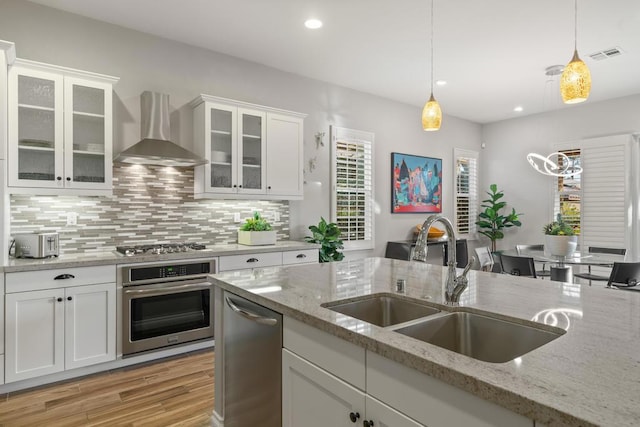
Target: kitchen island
588	376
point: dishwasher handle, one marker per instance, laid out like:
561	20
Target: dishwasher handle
268	321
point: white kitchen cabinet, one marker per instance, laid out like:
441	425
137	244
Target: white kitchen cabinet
51	327
380	415
266	259
313	397
59	130
253	152
34	334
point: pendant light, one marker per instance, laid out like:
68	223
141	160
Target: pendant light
575	83
431	113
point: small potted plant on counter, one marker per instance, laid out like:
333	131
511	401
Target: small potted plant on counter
328	235
560	238
256	231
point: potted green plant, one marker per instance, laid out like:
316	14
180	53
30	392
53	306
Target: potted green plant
256	231
560	238
491	221
328	236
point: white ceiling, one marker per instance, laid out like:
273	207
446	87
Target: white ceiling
492	53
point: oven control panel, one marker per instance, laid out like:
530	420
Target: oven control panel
167	271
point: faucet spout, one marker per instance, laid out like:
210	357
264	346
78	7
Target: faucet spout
455	285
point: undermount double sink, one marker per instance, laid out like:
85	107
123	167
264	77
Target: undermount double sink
480	336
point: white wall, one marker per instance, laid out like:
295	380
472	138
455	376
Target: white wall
145	62
503	161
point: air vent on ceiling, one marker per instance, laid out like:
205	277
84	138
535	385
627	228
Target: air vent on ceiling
606	53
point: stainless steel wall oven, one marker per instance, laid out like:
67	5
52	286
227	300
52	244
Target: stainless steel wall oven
165	303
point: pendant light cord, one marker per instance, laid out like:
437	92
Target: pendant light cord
431	40
575	26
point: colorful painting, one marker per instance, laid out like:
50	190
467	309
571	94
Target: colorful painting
416	184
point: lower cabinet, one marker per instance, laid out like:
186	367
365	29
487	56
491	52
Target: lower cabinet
313	397
52	330
267	259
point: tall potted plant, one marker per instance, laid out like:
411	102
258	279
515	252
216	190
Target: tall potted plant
328	236
491	221
560	238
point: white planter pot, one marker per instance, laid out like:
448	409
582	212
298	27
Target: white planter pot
563	246
255	238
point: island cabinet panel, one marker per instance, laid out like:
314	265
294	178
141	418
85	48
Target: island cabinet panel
431	401
314	398
341	358
380	415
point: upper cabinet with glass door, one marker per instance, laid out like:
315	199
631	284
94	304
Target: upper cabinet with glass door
243	158
60	130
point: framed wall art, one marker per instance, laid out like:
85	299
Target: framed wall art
416	184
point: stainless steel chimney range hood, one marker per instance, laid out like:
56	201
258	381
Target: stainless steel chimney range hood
155	147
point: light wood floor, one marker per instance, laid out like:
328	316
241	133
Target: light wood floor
172	392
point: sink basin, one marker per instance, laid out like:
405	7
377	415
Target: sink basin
382	310
480	337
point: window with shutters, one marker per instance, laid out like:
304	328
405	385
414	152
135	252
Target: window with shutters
466	196
352	195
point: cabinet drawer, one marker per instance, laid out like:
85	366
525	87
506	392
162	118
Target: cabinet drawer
59	278
240	262
335	355
300	257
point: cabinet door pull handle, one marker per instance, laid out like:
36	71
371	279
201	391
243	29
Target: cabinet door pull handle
253	260
59	178
68	178
353	416
368	423
301	256
64	276
69	298
59	299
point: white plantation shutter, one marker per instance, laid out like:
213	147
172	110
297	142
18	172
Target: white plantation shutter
352	195
604	192
466	187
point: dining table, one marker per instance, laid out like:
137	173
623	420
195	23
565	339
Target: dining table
560	266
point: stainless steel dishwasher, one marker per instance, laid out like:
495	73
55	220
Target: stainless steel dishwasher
251	364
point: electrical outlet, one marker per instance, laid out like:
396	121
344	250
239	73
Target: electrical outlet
72	218
236	217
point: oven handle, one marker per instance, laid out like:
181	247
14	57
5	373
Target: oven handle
268	321
168	289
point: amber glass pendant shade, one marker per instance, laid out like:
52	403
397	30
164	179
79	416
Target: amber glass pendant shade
431	115
575	83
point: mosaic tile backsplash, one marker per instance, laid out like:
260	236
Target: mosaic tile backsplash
150	204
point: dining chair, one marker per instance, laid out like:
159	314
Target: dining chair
624	275
518	265
597	250
485	258
523	248
398	250
462	253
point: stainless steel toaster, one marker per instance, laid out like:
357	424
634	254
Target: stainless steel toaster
36	245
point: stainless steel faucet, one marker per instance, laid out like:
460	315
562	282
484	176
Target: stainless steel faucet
455	284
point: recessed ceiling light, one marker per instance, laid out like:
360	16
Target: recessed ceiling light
313	24
518	109
441	82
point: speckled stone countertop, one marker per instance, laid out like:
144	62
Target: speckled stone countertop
588	376
113	258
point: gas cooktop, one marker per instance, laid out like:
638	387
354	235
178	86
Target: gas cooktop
165	248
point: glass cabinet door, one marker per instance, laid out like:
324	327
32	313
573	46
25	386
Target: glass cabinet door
87	130
35	143
223	148
251	155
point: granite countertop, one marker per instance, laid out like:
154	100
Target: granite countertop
113	258
588	376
